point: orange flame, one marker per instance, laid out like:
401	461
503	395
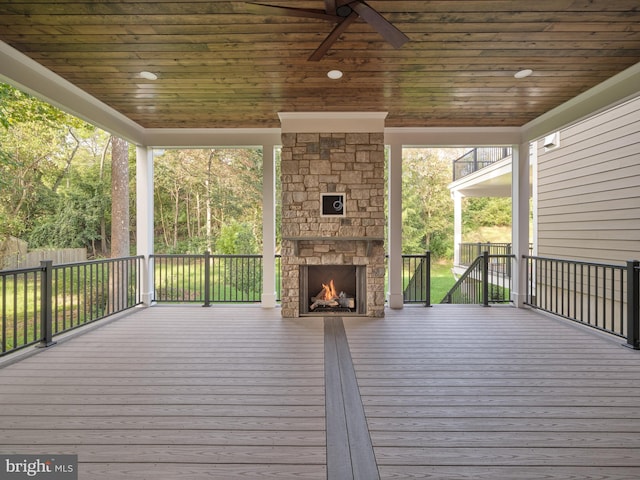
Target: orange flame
328	291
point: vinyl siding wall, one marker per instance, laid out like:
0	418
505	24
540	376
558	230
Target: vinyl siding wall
589	189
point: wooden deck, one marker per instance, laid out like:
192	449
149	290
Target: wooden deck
227	393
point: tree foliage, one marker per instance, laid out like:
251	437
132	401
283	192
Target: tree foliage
427	208
48	191
486	212
209	199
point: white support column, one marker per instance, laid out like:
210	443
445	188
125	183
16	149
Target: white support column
457	226
395	297
144	218
268	227
520	220
533	158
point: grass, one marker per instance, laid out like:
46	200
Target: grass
441	280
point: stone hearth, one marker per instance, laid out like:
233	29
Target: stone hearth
350	164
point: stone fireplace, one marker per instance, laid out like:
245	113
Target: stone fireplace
333	215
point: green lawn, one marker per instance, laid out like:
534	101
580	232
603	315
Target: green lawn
441	280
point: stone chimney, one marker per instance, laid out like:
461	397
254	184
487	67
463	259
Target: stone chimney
333	205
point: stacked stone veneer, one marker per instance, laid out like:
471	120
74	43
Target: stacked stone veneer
349	163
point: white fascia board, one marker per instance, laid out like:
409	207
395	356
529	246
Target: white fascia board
453	136
29	76
208	137
327	122
605	95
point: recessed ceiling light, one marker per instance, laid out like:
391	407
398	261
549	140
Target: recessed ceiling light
523	73
148	75
334	74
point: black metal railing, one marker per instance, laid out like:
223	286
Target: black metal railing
486	281
416	278
602	296
633	304
470	251
478	158
39	303
206	278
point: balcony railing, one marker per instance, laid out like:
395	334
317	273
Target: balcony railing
206	278
38	303
478	158
470	251
598	295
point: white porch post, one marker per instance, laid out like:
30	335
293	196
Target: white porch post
520	220
144	218
268	227
395	298
457	225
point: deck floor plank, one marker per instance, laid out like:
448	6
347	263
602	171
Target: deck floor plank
498	393
237	392
176	392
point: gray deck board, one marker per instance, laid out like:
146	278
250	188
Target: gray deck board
230	393
176	392
498	393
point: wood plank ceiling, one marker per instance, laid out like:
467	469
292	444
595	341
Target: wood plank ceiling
231	64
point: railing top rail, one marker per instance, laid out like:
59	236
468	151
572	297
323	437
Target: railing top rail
176	255
71	264
493	244
98	260
18	271
200	255
576	262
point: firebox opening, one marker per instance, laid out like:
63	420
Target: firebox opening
332	289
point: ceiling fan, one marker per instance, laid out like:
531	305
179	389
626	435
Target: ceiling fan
341	12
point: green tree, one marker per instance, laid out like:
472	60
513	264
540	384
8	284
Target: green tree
41	151
200	193
427	216
486	212
237	238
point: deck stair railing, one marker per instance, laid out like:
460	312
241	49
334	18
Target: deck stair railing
602	296
478	158
486	281
38	303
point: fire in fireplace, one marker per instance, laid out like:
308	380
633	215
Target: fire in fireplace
332	289
330	298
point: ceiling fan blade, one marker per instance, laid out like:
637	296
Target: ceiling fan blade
390	33
332	37
263	9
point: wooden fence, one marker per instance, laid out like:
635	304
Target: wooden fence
33	259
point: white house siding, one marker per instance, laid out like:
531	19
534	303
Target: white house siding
589	189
